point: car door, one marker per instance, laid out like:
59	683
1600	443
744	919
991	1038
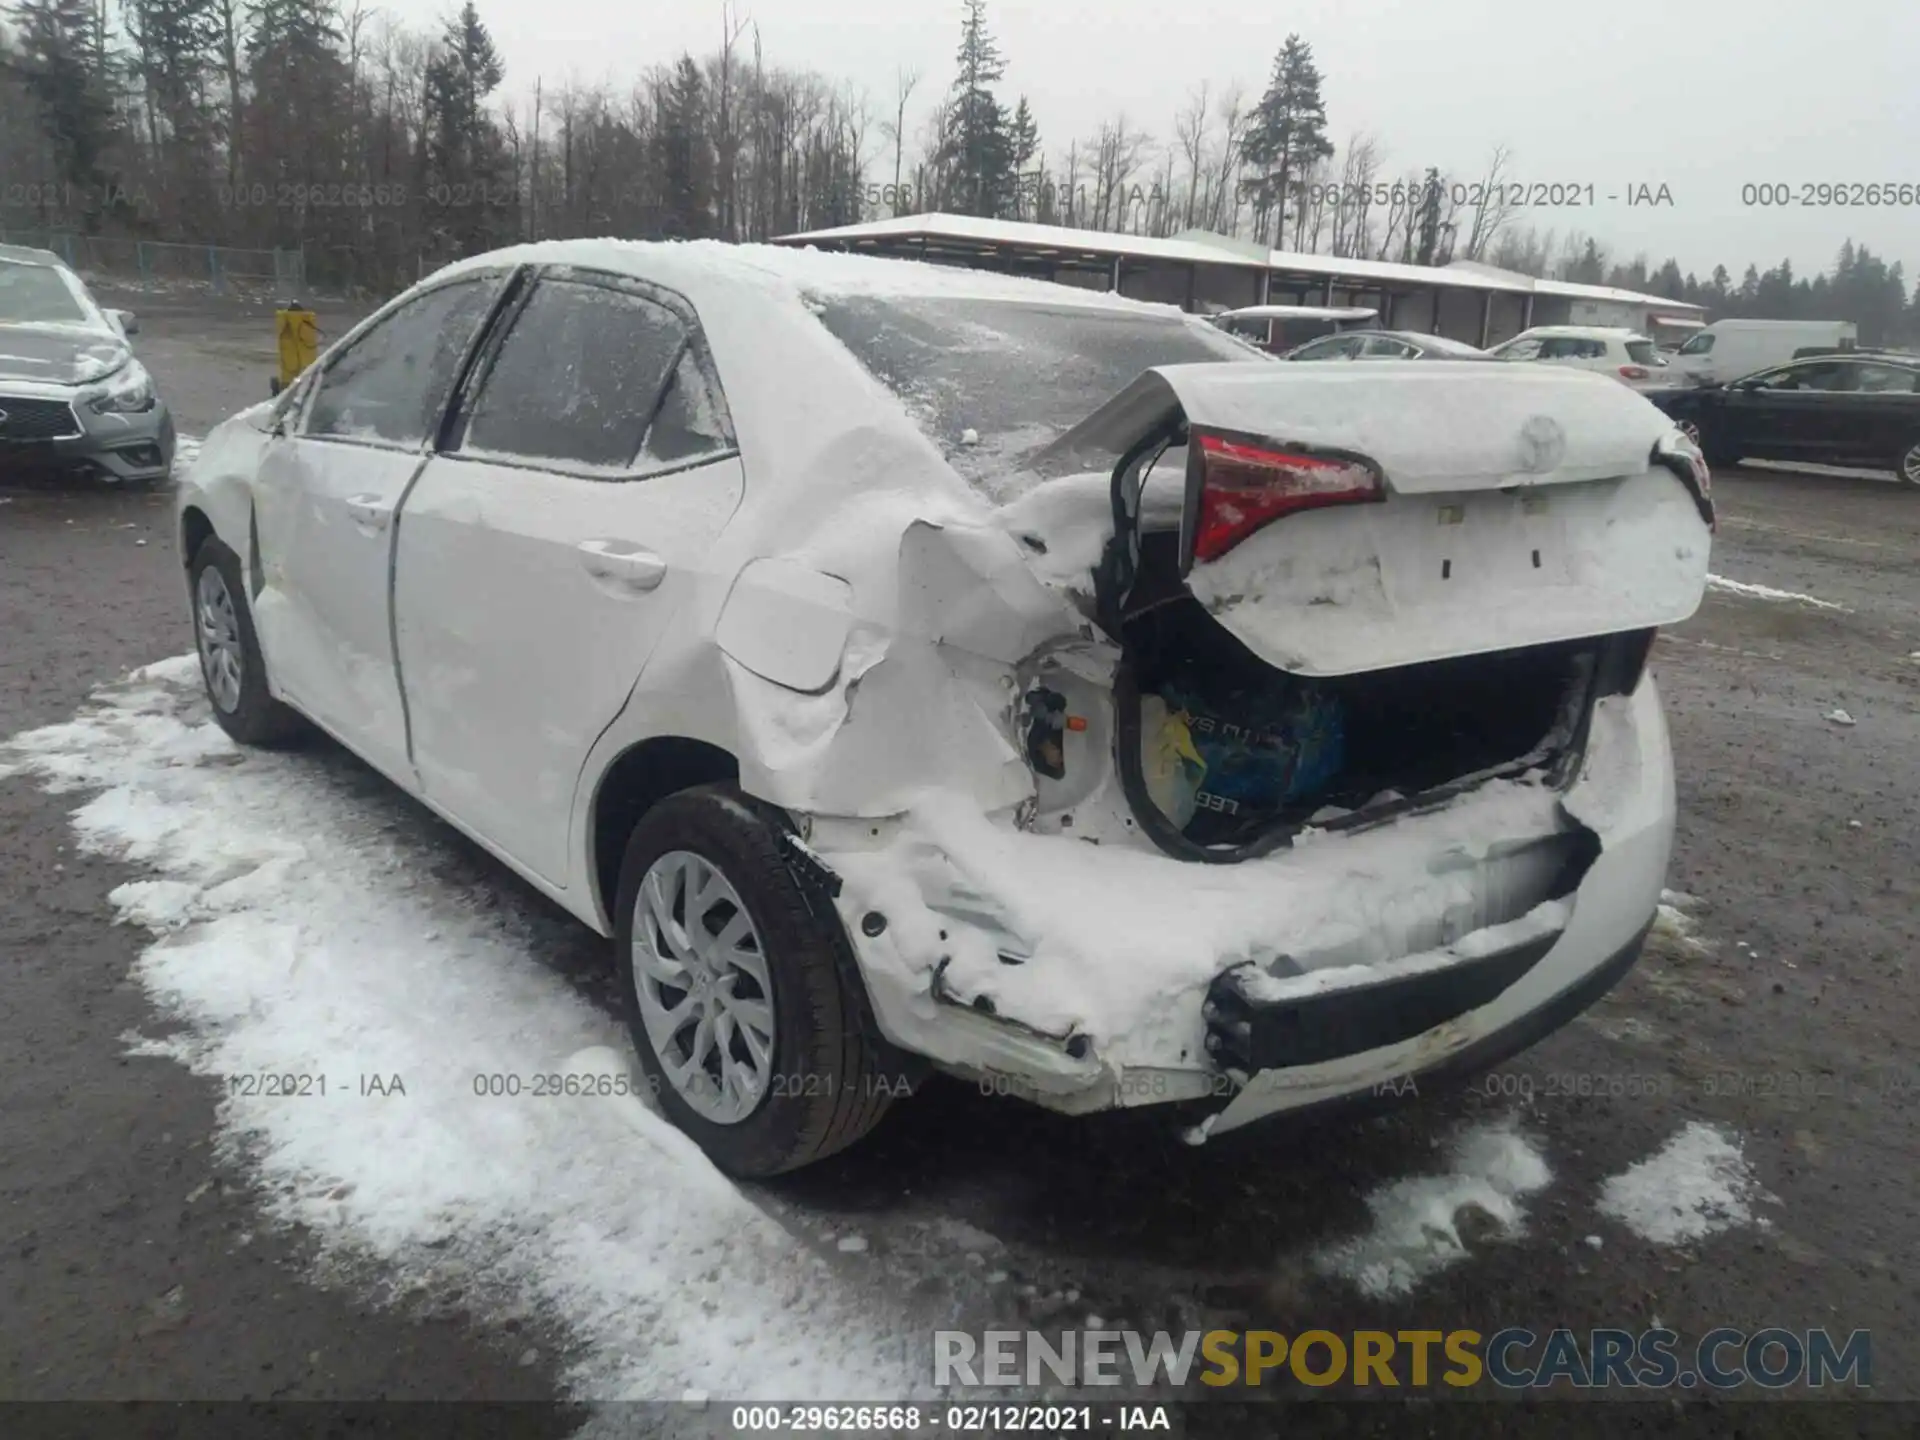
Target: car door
588	471
324	502
1883	416
1788	413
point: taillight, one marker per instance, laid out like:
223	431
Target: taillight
1244	486
1678	452
1634	372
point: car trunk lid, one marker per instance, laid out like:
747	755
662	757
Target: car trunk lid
1509	507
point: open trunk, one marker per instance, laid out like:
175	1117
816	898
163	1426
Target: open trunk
1382	589
1224	756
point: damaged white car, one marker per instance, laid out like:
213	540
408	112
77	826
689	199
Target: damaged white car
915	668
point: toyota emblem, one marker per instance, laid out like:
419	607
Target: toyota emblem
1543	445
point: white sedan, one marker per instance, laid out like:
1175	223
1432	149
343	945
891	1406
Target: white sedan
1627	355
912	667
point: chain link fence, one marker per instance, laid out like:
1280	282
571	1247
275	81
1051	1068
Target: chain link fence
157	264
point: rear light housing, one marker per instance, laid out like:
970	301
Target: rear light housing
1675	452
1635	372
1237	484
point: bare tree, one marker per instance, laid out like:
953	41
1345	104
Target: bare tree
1190	129
1235	118
896	129
1494	200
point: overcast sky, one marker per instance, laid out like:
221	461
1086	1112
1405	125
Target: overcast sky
1703	96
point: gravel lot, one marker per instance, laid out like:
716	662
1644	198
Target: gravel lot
1775	1005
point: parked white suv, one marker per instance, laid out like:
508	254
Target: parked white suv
1627	355
918	667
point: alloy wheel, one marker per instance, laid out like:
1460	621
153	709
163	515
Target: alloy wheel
218	630
1910	464
700	975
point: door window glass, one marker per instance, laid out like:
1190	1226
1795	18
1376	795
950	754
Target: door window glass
576	378
391	384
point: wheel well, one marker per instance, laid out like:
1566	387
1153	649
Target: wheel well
194	529
640	779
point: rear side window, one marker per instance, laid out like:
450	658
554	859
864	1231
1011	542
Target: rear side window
391	384
1572	347
577	378
692	420
1643	352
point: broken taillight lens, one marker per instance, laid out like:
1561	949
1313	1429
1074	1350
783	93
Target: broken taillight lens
1680	454
1244	486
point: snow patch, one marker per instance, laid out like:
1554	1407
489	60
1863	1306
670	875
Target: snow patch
1697	1185
1767	592
1416	1220
303	936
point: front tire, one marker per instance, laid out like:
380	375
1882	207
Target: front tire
230	659
741	998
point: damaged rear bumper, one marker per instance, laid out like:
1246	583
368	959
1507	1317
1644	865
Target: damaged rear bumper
1311	1029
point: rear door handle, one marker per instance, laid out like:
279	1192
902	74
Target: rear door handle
369	510
623	563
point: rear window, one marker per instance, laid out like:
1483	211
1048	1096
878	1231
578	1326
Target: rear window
1016	375
37	295
1644	352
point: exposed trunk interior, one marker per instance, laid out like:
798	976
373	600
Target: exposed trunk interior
1232	752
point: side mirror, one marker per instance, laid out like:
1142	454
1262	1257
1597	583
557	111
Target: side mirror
128	322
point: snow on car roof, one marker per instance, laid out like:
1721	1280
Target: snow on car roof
690	265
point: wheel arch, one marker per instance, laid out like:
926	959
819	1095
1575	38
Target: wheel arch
640	777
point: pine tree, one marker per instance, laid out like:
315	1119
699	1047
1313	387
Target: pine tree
978	157
62	66
1023	144
1288	134
1429	219
464	158
686	169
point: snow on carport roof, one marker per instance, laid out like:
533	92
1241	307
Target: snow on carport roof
1058	240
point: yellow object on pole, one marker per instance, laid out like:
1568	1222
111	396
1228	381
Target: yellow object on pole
298	332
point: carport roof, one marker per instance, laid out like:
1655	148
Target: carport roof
973	236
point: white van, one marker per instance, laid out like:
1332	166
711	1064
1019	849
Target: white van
1728	349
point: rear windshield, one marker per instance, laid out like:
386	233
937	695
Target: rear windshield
1644	352
37	295
991	381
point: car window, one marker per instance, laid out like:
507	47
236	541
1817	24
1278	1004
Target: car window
1698	345
1644	352
1886	379
576	379
1381	347
1017	374
1826	375
38	295
692	420
1572	347
1527	349
1331	347
391	383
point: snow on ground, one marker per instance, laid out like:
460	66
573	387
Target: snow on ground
1698	1184
1767	592
1672	923
186	449
1416	1220
300	934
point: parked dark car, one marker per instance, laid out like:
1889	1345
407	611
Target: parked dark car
1385	345
1860	408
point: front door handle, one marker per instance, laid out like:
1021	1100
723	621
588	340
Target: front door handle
624	563
369	510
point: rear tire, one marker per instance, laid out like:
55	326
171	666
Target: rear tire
231	665
756	1108
1907	466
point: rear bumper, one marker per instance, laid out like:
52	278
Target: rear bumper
126	448
1352	1041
